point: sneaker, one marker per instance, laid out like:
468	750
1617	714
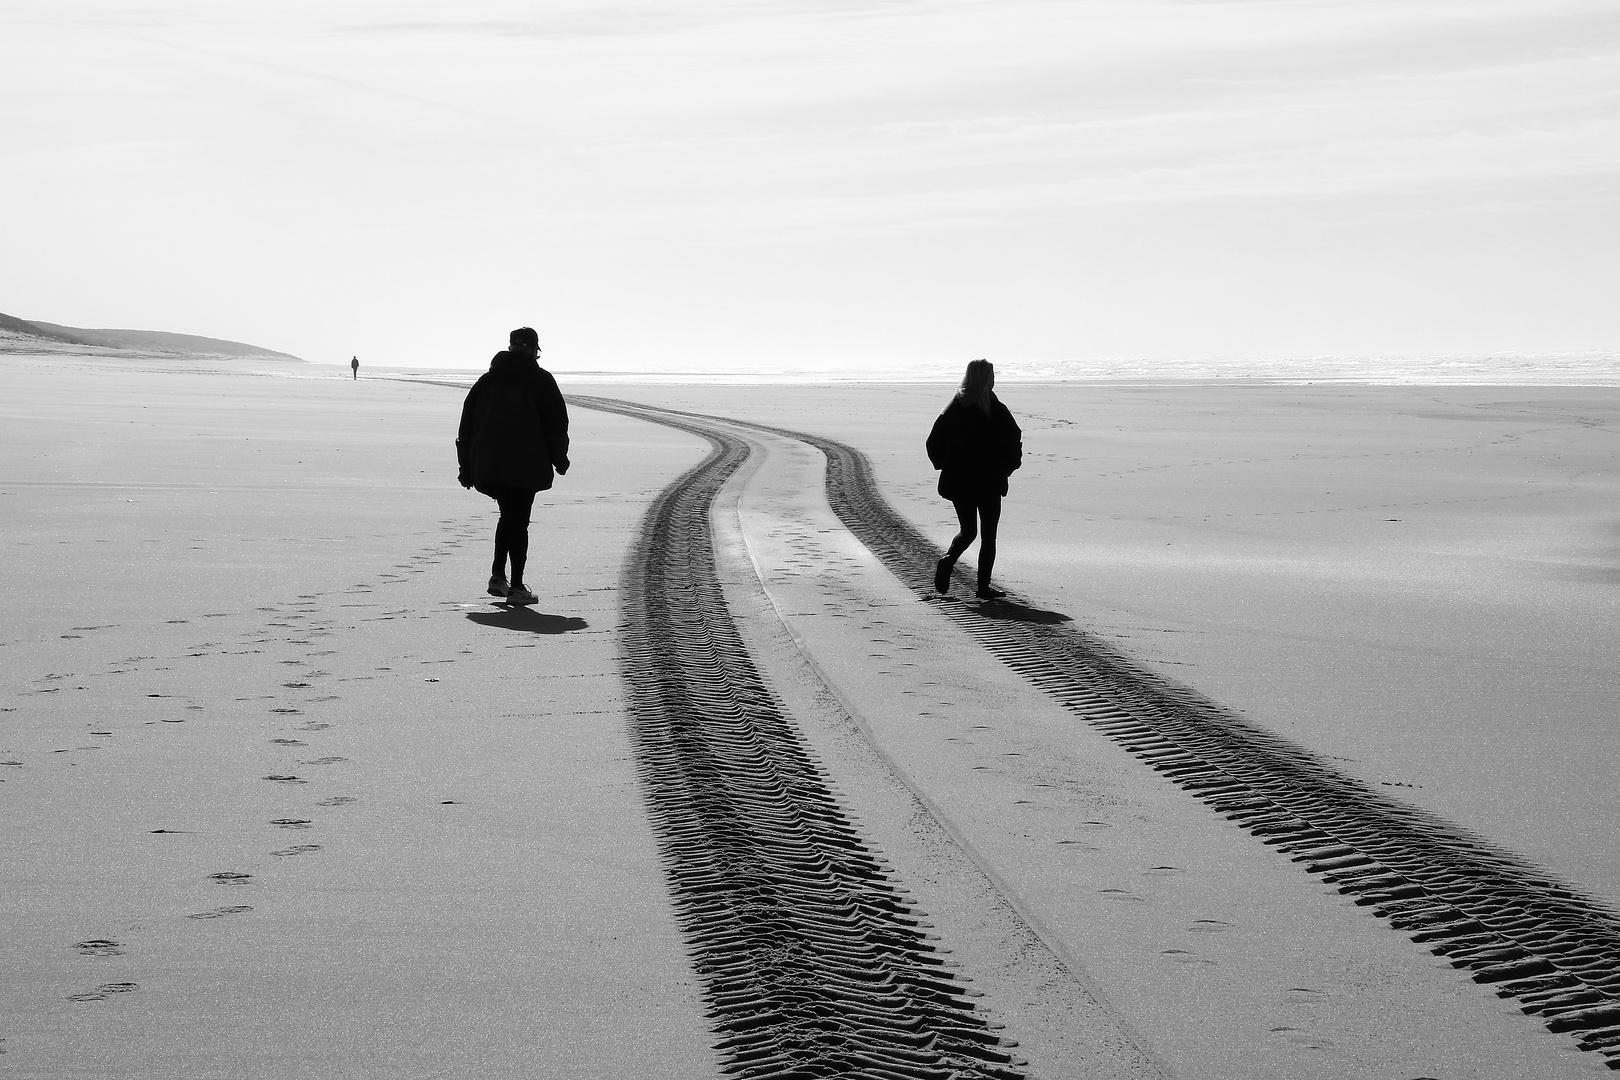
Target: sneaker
498	586
942	576
987	593
522	594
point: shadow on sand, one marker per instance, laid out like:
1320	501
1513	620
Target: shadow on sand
1016	612
528	620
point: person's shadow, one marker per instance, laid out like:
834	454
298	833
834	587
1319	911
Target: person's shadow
1011	610
528	620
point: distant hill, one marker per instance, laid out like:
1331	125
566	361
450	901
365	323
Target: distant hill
28	329
14	333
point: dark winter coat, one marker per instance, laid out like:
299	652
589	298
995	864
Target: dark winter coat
514	428
975	452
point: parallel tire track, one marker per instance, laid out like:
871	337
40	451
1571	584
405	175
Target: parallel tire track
813	961
1511	924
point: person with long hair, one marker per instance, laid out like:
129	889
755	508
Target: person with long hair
976	445
512	443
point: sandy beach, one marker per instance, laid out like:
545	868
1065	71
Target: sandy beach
285	793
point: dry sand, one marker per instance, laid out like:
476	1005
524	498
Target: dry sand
1217	956
1240	539
202	564
216	580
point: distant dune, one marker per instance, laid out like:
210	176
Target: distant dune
19	335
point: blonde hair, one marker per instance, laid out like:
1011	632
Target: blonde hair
976	384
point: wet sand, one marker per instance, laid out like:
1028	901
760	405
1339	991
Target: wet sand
448	864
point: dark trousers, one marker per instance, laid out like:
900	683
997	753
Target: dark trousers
512	531
977	517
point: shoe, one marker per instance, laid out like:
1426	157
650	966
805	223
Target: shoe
987	593
521	594
942	576
498	586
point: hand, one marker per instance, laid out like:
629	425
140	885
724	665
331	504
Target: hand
562	468
463	481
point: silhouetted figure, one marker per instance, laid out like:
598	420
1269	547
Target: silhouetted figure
514	433
975	445
354	366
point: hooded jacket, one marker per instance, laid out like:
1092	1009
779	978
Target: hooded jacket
975	452
514	428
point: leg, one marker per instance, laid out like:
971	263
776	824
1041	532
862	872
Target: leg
967	529
967	514
515	508
503	543
989	519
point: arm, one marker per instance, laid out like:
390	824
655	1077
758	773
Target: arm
554	422
464	436
939	442
1004	442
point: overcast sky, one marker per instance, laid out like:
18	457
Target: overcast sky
843	184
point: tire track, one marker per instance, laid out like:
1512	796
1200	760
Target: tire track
812	959
1512	925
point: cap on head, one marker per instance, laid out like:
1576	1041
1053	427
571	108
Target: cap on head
523	335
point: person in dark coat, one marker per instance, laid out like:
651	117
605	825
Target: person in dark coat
975	445
513	442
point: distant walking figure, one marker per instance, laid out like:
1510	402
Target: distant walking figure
514	433
354	366
975	445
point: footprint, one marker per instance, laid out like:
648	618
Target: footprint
99	947
1301	1038
324	761
1300	995
1119	894
337	800
288	742
104	991
230	877
296	849
278	778
1164	871
220	913
1182	956
313	725
1209	926
291	823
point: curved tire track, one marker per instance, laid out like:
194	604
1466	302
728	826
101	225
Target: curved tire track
1511	924
812	960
